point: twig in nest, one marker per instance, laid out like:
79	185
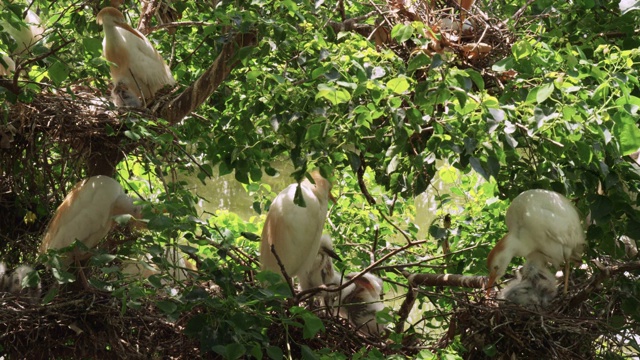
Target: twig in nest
602	275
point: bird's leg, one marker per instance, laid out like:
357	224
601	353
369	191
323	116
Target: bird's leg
81	275
566	276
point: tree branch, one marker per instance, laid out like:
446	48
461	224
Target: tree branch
476	282
193	96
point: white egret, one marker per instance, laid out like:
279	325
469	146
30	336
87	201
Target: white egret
295	231
86	215
544	226
137	69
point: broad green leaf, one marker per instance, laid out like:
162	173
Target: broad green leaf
168	307
314	131
540	94
522	50
448	174
58	72
626	132
334	95
312	325
398	85
419	61
401	32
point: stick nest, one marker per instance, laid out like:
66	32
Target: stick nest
49	141
501	330
90	325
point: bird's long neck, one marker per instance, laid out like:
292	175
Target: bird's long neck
504	248
322	188
115	42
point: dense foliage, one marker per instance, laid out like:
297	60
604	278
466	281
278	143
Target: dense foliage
403	130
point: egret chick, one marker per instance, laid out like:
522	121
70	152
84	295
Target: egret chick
544	226
16	281
322	272
360	301
534	287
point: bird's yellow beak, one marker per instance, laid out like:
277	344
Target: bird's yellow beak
490	282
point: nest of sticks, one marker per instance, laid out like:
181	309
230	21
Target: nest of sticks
475	39
573	326
90	325
44	147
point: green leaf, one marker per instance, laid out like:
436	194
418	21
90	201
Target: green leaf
58	72
401	32
522	50
540	94
626	130
419	61
168	307
313	132
160	223
448	174
334	95
398	85
312	325
234	351
274	353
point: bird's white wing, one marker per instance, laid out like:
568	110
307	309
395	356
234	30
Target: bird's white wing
295	231
547	222
146	64
84	214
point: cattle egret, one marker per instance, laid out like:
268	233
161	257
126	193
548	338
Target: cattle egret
25	35
8	67
86	215
135	62
295	231
544	226
3	272
360	301
535	286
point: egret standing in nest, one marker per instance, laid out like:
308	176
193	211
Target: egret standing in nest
86	215
137	70
544	227
294	231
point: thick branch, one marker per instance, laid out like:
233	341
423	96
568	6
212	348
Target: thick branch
405	309
201	89
476	282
